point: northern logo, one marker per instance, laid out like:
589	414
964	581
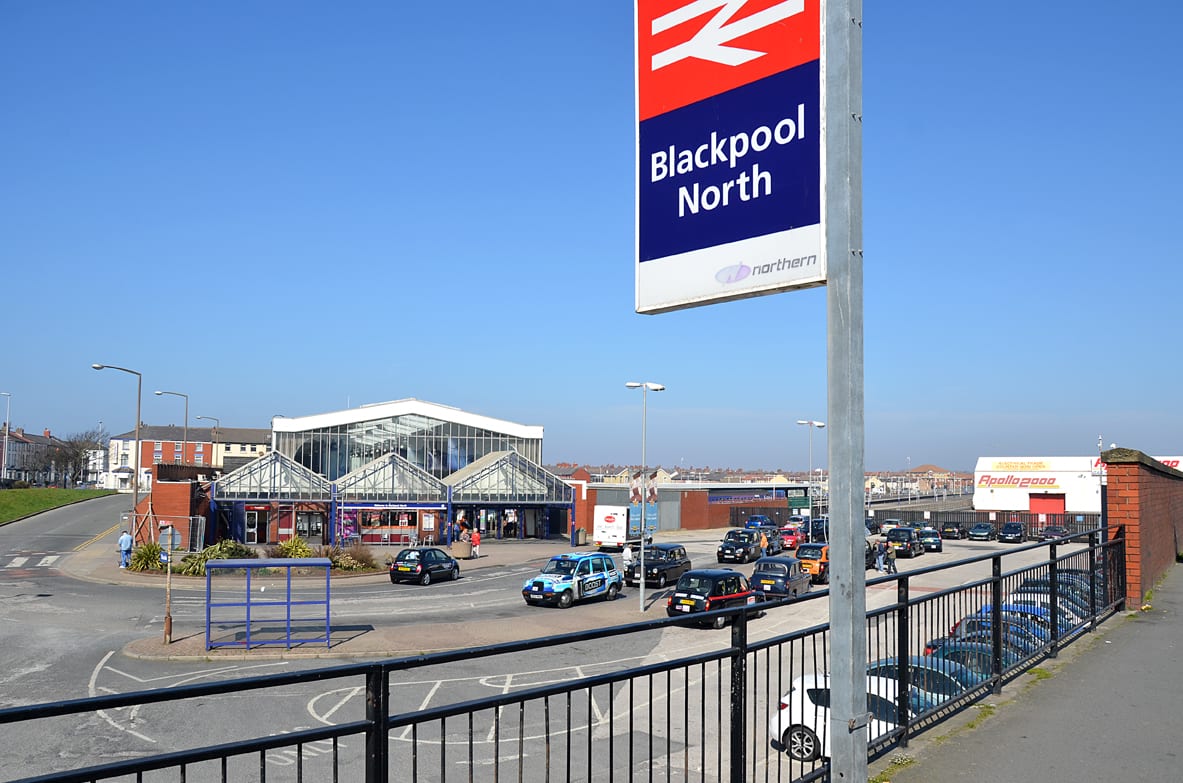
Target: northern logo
733	274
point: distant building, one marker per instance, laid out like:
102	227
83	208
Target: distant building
218	448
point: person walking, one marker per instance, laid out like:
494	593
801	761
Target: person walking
763	544
125	543
627	557
476	544
890	559
880	555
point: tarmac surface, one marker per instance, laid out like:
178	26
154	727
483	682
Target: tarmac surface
1109	707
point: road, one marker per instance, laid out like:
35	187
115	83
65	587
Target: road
65	636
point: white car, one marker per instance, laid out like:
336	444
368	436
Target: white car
801	725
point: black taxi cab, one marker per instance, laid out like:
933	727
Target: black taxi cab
780	577
708	589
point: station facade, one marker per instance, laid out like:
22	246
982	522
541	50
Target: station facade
393	472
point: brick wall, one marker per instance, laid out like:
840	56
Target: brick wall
1144	504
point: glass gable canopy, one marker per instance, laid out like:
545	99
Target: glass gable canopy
336	444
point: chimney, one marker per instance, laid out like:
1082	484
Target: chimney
46	434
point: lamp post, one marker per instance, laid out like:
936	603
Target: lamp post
217	425
7	427
645	388
812	425
185	437
135	476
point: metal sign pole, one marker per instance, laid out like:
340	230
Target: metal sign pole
843	219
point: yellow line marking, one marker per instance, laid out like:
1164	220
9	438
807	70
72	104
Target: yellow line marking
106	532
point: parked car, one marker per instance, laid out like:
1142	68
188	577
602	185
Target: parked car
931	680
739	546
423	564
780	577
708	589
1054	532
1041	598
815	558
930	539
888	525
1015	632
772	534
801	724
869	553
664	563
905	542
791	536
975	656
983	531
954	530
759	520
872	525
573	577
1011	533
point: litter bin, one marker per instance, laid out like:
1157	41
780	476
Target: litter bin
580	537
462	550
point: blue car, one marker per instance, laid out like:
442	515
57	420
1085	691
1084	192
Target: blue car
932	680
573	577
973	655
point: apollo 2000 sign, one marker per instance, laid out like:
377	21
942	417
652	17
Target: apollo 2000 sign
729	150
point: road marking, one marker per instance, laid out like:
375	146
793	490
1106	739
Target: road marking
90	541
48	560
17	562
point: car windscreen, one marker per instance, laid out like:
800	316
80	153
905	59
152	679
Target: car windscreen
1012	527
771	569
408	554
695	584
562	567
899	534
656	554
739	537
807	552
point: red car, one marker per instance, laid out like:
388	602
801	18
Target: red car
791	536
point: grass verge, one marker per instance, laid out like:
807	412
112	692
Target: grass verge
18	503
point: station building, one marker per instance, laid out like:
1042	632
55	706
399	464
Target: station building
1042	485
393	472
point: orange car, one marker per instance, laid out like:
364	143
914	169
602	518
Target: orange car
815	558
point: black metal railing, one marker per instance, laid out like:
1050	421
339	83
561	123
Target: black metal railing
700	706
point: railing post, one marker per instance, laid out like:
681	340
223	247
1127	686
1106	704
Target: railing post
1093	582
903	632
1053	578
377	743
739	689
996	619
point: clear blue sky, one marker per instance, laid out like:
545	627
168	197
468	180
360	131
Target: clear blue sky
295	207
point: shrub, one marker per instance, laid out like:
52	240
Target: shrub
194	564
293	547
146	557
354	558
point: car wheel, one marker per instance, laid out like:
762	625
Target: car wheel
455	572
801	744
629	582
718	623
425	579
566	599
393	581
825	577
660	581
613	591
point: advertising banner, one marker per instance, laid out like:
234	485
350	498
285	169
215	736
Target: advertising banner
729	153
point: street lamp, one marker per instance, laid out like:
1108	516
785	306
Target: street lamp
7	427
811	424
645	388
217	424
135	476
185	438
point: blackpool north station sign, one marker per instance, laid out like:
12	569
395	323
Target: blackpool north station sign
729	150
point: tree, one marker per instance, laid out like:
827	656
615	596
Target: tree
65	460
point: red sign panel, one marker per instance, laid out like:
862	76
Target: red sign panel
689	50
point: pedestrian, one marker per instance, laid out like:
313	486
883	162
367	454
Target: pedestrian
476	544
880	555
125	543
891	560
763	544
627	557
